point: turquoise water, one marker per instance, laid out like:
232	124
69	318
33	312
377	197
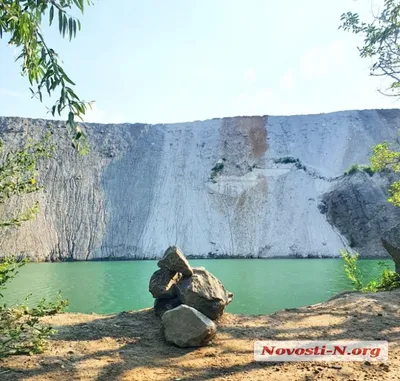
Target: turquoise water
260	286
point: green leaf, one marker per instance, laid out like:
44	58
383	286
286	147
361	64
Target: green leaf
70	28
60	20
65	23
51	14
70	118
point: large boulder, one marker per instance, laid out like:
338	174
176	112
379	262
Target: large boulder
186	327
163	305
174	260
391	242
163	283
204	292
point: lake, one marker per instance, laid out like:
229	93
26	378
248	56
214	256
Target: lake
260	286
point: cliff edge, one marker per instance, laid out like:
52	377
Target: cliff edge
245	186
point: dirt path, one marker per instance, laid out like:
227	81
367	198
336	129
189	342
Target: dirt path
130	345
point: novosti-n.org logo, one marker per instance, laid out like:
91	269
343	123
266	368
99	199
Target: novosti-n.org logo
321	350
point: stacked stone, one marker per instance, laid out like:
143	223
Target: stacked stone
187	300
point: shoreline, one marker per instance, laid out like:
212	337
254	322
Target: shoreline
196	257
131	346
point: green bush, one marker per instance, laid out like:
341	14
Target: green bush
351	269
353	169
387	281
286	160
358	168
20	328
368	170
290	160
215	170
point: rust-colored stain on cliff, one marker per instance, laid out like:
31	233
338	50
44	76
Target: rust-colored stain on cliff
256	132
251	130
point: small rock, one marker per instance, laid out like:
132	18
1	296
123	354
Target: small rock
204	292
174	260
51	362
186	327
384	367
164	305
163	283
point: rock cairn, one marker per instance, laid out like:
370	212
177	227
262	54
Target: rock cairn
187	300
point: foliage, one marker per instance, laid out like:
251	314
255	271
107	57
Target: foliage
45	308
215	170
357	168
21	21
384	157
18	175
290	160
388	280
20	329
351	269
285	160
381	43
8	270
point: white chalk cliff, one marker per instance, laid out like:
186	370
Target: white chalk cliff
243	186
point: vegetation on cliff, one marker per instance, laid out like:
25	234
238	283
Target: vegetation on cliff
382	47
20	22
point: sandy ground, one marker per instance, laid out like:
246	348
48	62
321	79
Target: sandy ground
130	345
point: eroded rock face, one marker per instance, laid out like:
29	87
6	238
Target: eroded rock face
204	292
163	283
186	327
391	242
174	260
143	186
357	206
164	305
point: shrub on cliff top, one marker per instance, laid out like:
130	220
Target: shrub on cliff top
358	168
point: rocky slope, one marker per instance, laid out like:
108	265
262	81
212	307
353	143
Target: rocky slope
244	186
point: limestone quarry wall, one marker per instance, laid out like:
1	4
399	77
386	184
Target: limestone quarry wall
243	186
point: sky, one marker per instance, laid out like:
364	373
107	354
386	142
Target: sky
171	61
